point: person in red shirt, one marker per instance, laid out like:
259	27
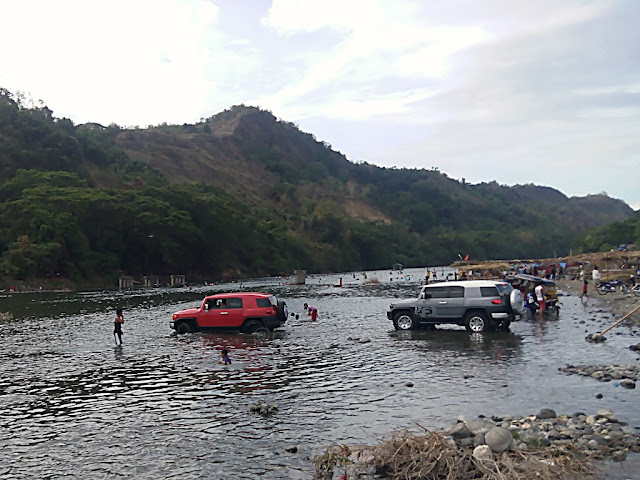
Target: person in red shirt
311	311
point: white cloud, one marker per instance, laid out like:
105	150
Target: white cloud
110	61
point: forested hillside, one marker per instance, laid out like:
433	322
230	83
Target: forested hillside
243	193
611	236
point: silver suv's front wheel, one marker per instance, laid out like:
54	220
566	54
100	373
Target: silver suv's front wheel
404	321
476	322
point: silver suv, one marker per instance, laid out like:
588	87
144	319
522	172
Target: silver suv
479	305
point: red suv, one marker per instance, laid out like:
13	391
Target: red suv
246	312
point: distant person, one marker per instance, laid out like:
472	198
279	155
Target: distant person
596	276
531	303
311	312
540	298
117	326
585	296
224	357
553	272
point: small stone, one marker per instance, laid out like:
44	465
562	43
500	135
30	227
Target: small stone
599	396
608	414
593	445
498	439
629	384
363	340
291	449
546	413
483	452
409	384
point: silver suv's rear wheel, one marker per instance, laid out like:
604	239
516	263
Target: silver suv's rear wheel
404	321
476	322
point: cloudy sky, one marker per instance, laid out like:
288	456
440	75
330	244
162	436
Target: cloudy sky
516	91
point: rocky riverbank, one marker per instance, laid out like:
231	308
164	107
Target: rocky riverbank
541	446
616	304
626	376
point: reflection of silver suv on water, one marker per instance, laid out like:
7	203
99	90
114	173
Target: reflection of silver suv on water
479	305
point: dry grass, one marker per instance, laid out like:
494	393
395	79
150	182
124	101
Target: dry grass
409	456
334	456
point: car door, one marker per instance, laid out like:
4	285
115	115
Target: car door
234	314
428	305
452	306
223	313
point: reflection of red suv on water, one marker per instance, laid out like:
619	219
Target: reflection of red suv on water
246	312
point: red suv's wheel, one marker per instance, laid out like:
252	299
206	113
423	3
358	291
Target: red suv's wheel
251	326
182	328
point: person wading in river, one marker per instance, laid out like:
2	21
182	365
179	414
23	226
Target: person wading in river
117	326
311	311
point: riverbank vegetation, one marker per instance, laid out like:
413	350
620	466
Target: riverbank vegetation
242	193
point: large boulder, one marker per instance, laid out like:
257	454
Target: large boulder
498	439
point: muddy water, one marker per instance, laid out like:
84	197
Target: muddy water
161	406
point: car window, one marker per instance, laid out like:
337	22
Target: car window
489	292
437	292
504	287
234	303
456	292
263	302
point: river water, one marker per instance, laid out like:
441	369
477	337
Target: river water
160	406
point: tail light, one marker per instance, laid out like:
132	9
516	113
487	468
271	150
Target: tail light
175	316
271	311
496	301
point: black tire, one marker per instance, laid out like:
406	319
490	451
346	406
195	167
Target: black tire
282	311
252	325
477	322
182	328
625	289
404	321
553	310
636	291
602	289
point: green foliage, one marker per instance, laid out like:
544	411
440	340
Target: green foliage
609	237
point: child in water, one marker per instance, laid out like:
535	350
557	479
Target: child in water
117	326
224	357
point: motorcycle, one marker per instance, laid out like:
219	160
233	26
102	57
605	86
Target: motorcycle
610	287
552	306
636	290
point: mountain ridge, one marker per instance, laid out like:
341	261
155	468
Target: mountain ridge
287	200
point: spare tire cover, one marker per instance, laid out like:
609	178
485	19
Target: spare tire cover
517	301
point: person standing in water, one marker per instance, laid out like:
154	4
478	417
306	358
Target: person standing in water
117	326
